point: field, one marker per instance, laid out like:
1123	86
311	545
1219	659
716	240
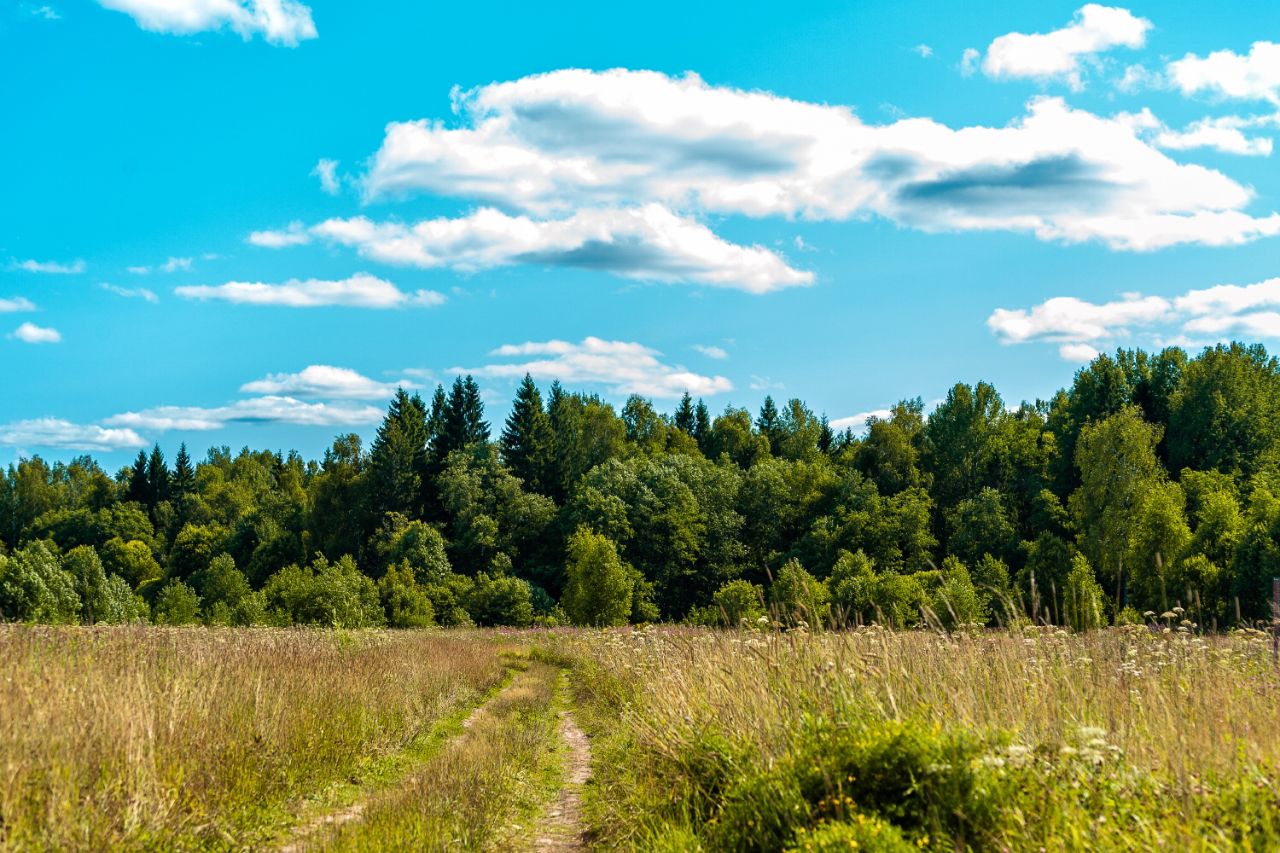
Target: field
152	738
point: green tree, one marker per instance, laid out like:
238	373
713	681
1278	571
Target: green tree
500	600
1118	467
90	582
599	586
797	596
177	604
1159	540
397	476
956	602
35	588
736	603
1082	599
526	439
404	600
131	560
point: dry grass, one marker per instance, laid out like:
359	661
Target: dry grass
114	738
1184	724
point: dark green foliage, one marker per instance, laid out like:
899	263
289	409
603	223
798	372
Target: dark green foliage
500	600
527	439
177	604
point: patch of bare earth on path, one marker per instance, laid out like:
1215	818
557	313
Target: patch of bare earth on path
561	826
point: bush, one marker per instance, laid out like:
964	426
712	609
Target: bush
177	604
797	596
1082	599
331	594
120	605
599	587
956	602
500	600
90	582
860	832
35	588
227	596
404	601
131	560
736	602
853	588
900	599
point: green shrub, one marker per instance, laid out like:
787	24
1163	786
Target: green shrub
331	594
956	602
734	603
35	588
131	560
797	596
853	588
500	600
860	832
177	604
404	601
1082	599
599	587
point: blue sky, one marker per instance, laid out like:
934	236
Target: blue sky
244	221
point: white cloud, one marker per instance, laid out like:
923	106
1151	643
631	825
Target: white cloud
1230	298
30	333
358	291
47	12
969	61
715	352
923	51
327	172
624	367
322	380
1079	353
1066	318
1251	77
49	267
1058	54
293	235
1204	315
269	409
858	422
17	303
764	383
55	432
284	22
171	265
131	292
574	139
648	243
1225	134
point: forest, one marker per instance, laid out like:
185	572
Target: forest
1147	491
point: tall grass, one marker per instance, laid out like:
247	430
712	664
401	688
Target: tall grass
1118	738
115	738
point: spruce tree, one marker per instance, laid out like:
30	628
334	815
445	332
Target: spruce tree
398	458
157	477
702	426
770	424
183	482
464	422
139	489
526	440
684	418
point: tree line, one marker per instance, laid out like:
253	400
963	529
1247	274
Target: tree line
1148	489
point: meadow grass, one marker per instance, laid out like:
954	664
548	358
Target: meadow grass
1117	739
128	738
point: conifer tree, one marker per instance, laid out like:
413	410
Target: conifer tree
526	440
139	489
684	416
770	423
398	458
702	426
183	482
157	477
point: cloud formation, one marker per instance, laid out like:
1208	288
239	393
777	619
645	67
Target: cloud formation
1059	54
1204	316
358	291
131	292
573	140
858	422
1254	76
55	432
17	303
621	366
327	172
649	243
268	409
285	22
49	267
323	380
30	333
715	352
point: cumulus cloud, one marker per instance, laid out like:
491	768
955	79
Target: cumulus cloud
715	352
858	422
573	140
131	292
285	22
327	172
1059	54
1066	318
358	291
323	380
1254	76
648	243
1224	133
268	409
1079	353
294	234
55	432
923	51
623	367
30	333
1203	316
17	303
49	267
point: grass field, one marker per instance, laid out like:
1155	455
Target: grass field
147	738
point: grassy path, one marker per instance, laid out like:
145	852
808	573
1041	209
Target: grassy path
561	827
